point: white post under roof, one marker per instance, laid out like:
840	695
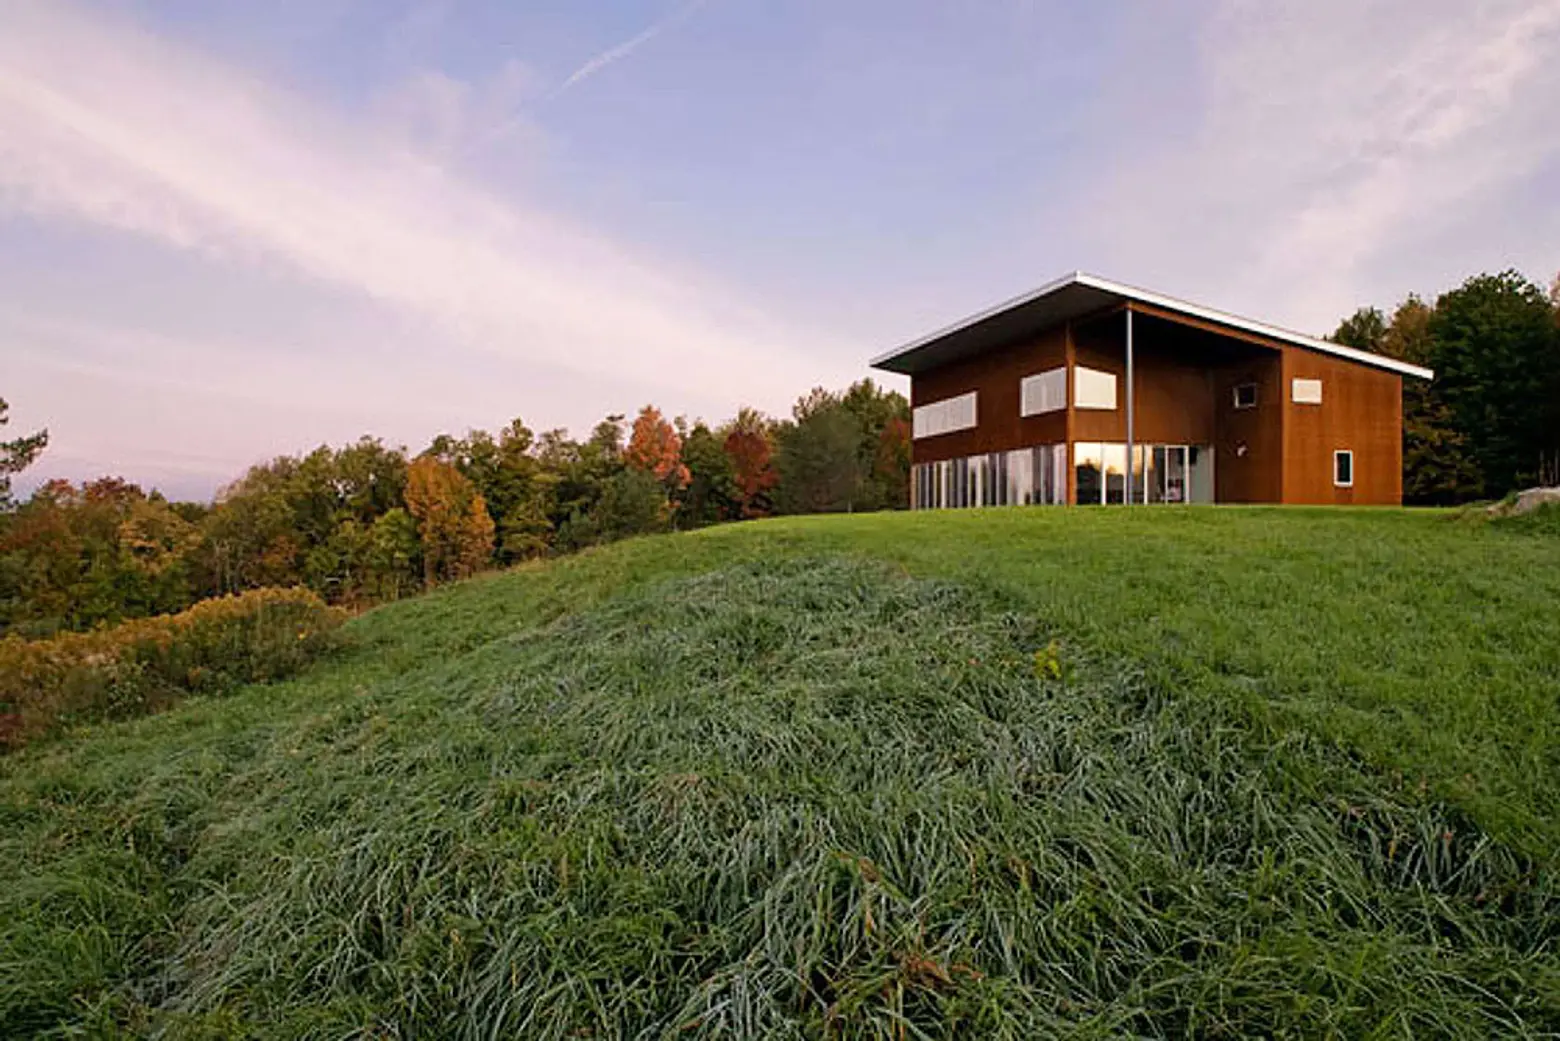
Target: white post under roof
1127	498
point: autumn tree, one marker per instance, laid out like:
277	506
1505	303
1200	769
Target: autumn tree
655	448
75	557
749	447
891	463
453	524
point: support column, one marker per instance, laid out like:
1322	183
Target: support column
1131	412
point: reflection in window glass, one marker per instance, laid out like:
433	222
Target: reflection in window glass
1115	473
1088	467
1017	478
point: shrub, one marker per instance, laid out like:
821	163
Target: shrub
144	664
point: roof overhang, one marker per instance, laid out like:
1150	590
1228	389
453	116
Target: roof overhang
1078	295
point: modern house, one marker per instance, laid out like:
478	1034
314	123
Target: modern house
1088	391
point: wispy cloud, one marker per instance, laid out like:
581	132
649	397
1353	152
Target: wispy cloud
1331	144
627	47
103	124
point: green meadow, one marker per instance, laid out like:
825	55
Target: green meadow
1163	772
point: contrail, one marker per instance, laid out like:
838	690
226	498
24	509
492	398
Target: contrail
627	47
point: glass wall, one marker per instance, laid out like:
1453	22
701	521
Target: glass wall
1160	473
1038	476
1028	476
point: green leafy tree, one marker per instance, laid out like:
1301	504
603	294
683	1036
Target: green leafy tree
519	487
250	538
633	502
1439	468
1363	330
883	454
16	455
710	496
394	556
369	479
1497	359
818	457
1438	465
580	471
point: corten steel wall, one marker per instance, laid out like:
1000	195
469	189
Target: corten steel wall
995	376
1361	410
1186	373
1249	442
1174	396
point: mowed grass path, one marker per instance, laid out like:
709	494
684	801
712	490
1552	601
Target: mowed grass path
803	777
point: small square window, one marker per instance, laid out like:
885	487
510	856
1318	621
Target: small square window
1343	469
1245	395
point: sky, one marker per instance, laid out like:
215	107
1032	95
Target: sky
232	230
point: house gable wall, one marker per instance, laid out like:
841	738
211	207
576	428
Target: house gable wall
1361	411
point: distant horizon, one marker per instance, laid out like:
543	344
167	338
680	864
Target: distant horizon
232	233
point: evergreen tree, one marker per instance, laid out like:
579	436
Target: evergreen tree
16	455
818	457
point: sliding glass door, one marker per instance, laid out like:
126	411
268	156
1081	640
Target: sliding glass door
1160	473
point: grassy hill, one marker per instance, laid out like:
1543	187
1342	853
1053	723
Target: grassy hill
1014	773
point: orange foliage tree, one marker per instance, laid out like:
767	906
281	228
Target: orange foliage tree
891	464
453	523
752	469
655	448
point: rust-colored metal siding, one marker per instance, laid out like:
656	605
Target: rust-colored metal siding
995	378
1249	442
1361	411
1174	397
1186	374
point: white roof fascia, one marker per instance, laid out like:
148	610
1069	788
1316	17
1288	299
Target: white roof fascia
1260	328
1045	290
1170	303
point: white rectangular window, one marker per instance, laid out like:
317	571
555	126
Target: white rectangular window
1093	388
943	417
1305	392
1343	468
1043	392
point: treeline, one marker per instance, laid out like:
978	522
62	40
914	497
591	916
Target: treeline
1489	423
369	522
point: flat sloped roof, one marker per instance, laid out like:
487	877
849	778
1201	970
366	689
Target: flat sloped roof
1078	294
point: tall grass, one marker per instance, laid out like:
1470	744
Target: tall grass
147	663
813	798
